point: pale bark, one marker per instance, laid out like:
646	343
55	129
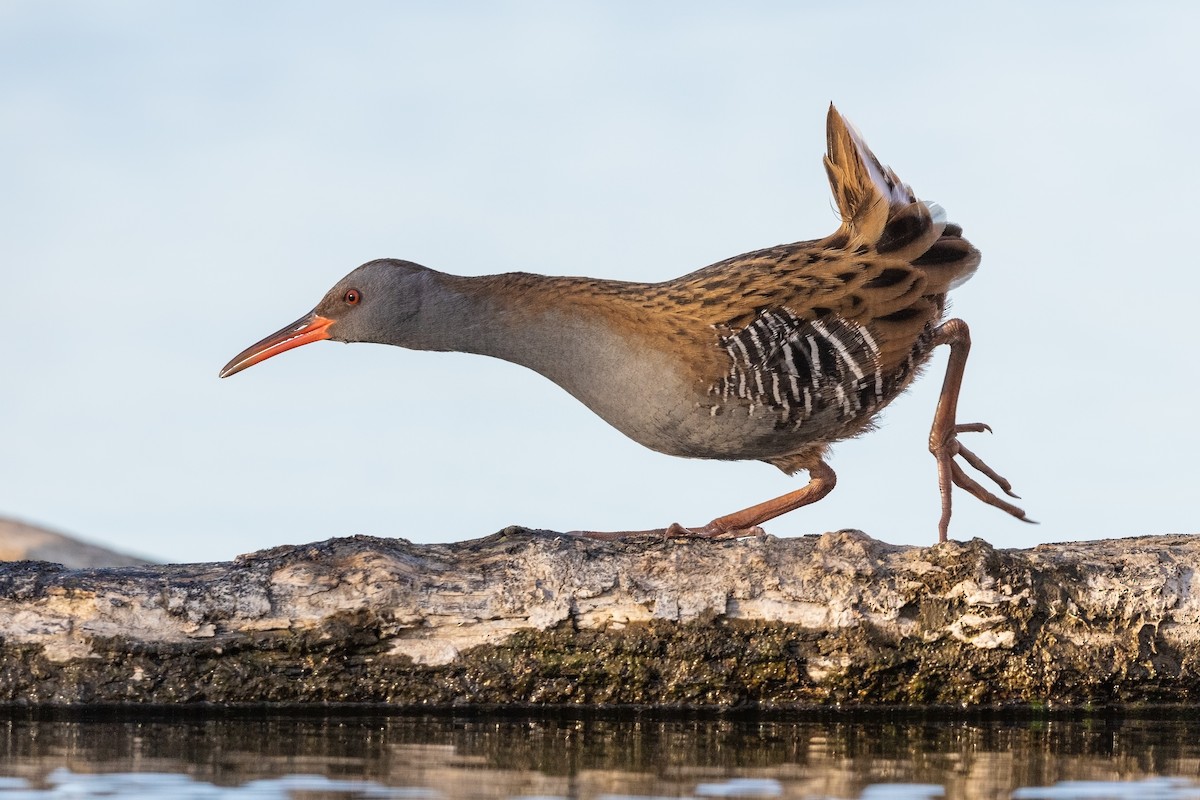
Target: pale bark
534	617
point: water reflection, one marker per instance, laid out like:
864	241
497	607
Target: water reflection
507	757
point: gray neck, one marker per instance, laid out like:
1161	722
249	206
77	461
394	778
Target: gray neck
555	327
508	317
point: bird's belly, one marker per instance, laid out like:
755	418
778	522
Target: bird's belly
753	433
679	424
648	396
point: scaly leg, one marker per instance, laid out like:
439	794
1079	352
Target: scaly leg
943	436
745	522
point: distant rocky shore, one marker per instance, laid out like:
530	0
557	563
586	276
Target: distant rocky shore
20	541
539	618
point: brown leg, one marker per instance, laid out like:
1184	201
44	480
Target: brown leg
943	436
745	522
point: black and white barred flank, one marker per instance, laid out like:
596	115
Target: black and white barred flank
799	368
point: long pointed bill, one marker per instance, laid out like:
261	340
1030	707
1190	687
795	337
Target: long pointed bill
309	328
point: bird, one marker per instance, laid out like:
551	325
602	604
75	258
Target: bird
772	355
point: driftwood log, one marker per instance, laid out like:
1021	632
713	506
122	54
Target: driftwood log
534	617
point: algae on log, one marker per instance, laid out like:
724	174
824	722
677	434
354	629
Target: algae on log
534	617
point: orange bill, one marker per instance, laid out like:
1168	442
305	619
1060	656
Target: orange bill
309	328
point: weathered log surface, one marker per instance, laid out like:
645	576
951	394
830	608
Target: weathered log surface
533	617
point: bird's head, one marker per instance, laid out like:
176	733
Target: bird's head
374	303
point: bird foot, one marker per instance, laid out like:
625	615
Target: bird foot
943	436
949	470
712	531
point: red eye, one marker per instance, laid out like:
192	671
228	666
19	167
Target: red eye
352	297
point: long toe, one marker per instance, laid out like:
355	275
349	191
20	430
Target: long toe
712	531
964	481
979	464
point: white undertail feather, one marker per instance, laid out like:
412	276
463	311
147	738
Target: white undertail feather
937	213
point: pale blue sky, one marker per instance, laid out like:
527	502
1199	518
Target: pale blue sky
180	179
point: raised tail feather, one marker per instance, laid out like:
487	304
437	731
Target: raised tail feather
881	211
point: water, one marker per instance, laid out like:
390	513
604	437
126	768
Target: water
420	758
